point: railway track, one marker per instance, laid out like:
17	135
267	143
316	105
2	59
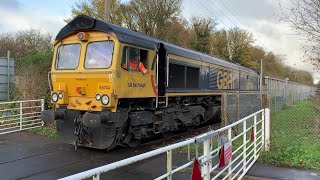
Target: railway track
27	156
181	136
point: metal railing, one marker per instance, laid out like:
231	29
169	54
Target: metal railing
245	153
20	115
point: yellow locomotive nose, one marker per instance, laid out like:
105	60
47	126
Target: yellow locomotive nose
81	90
91	91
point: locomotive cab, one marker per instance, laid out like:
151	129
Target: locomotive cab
81	75
83	91
90	73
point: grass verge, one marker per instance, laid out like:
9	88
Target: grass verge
295	137
47	131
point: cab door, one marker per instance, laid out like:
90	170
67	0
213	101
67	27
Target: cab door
135	74
162	70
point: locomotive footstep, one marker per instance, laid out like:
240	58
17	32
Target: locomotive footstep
130	141
134	143
166	135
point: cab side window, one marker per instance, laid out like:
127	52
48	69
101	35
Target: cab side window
125	58
144	57
134	59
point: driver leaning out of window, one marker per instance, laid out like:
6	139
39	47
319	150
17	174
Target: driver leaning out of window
135	65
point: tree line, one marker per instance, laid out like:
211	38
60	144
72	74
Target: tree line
163	20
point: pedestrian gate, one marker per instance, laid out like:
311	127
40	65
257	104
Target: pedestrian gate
20	115
246	138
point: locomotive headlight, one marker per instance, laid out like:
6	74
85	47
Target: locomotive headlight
98	97
54	97
105	99
60	95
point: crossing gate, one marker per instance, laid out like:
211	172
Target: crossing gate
20	115
246	147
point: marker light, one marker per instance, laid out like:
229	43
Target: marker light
82	36
98	97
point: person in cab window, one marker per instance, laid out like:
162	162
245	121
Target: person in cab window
135	64
98	55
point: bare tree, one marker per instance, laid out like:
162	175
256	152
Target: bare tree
304	17
23	42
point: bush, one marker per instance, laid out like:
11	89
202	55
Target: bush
32	76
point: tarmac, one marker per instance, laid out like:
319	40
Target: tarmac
27	156
264	171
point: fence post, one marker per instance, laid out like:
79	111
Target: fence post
21	115
255	135
229	163
96	177
262	127
206	153
169	164
224	109
42	104
8	87
267	129
189	154
238	106
244	147
275	103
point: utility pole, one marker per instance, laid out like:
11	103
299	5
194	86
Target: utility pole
263	104
107	11
228	46
261	77
8	87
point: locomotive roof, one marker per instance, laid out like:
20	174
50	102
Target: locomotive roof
85	23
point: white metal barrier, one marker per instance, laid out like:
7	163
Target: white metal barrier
245	151
20	115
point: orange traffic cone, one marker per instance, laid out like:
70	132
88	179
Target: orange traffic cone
196	173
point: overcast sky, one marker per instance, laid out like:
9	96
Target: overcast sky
261	17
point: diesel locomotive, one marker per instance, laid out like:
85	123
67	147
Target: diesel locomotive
102	103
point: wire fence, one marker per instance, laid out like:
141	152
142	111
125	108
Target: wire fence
283	93
295	120
236	106
295	133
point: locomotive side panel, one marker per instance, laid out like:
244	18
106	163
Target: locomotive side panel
222	78
131	83
187	75
249	81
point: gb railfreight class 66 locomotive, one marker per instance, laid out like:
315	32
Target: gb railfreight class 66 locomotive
115	103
